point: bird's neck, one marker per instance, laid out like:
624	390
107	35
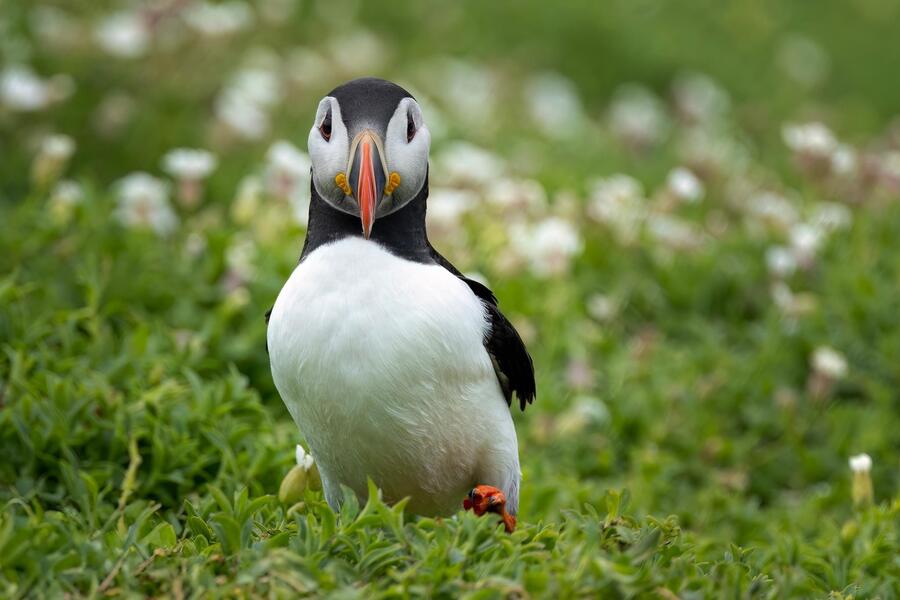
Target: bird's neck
401	232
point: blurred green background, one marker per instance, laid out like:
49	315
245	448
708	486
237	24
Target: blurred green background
688	209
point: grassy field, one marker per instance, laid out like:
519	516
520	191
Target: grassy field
690	211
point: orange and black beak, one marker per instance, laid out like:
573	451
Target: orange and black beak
367	176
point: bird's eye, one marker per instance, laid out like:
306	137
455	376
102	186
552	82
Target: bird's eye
410	128
325	127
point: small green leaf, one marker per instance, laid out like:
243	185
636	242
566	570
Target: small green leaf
162	536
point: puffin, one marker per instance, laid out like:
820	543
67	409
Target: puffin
394	365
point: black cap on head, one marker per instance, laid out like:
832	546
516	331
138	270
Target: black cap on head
368	102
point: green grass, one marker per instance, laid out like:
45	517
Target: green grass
142	442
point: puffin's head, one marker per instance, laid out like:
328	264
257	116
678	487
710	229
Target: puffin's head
369	149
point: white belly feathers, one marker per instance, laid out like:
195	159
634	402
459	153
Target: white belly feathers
381	363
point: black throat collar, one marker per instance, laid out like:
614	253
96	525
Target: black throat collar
401	232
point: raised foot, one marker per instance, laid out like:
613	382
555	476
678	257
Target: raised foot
488	499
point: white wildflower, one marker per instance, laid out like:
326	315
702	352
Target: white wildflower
813	144
617	201
863	491
67	192
602	308
710	151
304	459
446	207
828	217
554	104
124	34
22	90
287	177
143	201
189	167
302	476
781	262
468	165
224	18
548	246
244	104
287	169
791	304
242	116
860	463
698	98
843	160
189	163
517	195
52	158
805	242
58	147
637	117
773	210
285	158
673	232
829	362
66	195
684	185
810	138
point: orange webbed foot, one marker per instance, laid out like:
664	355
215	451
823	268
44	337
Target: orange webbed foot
488	499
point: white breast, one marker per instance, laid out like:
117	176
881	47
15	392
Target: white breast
381	363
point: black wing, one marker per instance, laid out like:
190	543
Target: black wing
512	363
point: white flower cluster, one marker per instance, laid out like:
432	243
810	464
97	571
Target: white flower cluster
287	177
219	19
637	117
189	164
246	101
829	362
548	245
124	34
817	149
143	202
554	105
22	90
618	201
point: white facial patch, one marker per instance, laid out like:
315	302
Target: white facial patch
409	158
329	157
